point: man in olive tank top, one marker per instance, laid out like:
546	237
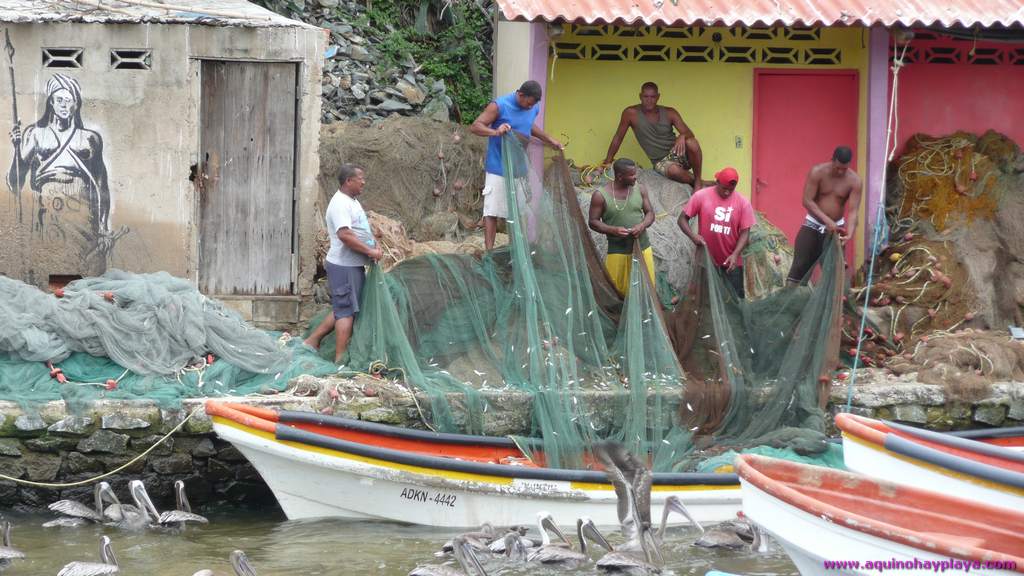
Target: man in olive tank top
674	156
623	213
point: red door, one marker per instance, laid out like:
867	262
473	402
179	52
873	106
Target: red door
800	116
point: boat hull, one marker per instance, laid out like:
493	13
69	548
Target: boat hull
312	482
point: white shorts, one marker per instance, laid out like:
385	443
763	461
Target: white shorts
495	202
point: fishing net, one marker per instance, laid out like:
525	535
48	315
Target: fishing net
135	336
540	316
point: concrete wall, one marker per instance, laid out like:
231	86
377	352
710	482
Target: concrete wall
140	127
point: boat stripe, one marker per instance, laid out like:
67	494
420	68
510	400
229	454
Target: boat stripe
964	444
933	467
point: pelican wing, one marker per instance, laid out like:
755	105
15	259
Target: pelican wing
624	561
75	509
8	553
176	516
66	522
87	569
435	570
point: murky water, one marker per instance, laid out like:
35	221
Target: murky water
277	547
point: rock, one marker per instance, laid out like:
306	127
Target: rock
991	414
245	491
142	444
218	472
1016	411
72	426
173	464
41	467
118	421
344	51
910	413
12	467
116	461
51	443
77	463
359	91
37	497
345	82
339	29
230	454
436	110
378	96
411	92
437	87
360	54
9	447
392	105
355	39
329	3
104	441
199	424
246	472
29	424
204	449
360	78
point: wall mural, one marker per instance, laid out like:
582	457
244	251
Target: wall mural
62	163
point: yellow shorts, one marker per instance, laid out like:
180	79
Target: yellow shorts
620	265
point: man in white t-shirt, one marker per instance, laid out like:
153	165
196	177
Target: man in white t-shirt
352	249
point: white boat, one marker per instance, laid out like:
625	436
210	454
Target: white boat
326	466
836	522
962	467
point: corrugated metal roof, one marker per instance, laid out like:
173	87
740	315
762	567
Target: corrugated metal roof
207	12
946	13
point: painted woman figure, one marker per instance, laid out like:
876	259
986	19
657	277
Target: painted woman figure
71	201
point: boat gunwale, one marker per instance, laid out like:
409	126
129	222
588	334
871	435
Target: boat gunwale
965	444
748	467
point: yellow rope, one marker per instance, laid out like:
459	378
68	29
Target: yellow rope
112	472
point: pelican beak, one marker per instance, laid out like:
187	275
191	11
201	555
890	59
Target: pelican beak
107	551
674	504
106	494
181	497
591	531
549	524
142	499
650	547
240	563
5	533
467	557
759	542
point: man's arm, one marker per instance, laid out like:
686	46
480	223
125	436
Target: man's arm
351	241
853	202
543	137
620	133
730	262
811	204
684	222
482	125
648	215
679	148
596	212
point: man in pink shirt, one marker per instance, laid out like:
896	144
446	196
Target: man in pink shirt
724	221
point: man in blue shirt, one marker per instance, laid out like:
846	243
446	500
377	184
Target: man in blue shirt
514	111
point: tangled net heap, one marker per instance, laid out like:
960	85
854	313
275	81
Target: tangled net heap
966	362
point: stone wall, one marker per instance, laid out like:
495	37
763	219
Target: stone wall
52	445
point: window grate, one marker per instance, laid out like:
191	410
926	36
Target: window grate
131	59
62	57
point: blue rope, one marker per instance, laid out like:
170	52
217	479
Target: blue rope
880	239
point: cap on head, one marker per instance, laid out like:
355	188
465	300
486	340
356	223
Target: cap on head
727	176
842	154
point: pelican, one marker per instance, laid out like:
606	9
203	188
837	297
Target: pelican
183	512
464	555
7	552
138	517
107	564
734	535
640	553
560	553
674	504
515	546
500	545
239	563
78	514
478	539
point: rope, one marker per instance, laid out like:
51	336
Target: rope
890	150
112	472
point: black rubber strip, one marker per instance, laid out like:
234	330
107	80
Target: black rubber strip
961	443
948	461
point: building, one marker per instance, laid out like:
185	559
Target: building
770	87
175	137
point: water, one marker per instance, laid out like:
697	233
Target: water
278	547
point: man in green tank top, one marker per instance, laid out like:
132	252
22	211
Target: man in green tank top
677	157
623	213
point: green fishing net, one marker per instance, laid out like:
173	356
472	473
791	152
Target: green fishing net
540	318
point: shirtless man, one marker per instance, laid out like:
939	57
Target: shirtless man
677	157
830	188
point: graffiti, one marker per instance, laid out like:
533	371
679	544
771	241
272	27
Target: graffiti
62	162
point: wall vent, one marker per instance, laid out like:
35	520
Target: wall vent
62	57
131	59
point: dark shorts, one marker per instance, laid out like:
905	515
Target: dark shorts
807	249
735	279
345	284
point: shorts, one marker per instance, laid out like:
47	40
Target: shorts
807	248
345	284
736	279
495	201
661	166
619	267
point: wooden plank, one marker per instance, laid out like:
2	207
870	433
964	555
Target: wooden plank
247	133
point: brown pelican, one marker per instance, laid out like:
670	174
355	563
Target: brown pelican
183	512
239	563
515	546
478	539
632	482
734	535
138	517
107	564
560	553
78	514
464	555
500	545
7	552
674	504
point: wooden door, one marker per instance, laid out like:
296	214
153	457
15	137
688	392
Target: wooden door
800	116
247	127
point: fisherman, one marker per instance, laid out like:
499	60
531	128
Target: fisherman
724	219
352	248
513	111
623	212
830	188
667	140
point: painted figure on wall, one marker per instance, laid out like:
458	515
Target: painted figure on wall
63	163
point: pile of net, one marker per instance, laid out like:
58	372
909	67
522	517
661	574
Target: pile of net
966	362
541	317
129	336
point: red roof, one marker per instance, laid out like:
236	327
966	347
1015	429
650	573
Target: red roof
945	13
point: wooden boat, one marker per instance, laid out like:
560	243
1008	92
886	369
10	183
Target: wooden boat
952	465
319	466
836	522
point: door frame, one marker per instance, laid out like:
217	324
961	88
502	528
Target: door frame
196	73
854	73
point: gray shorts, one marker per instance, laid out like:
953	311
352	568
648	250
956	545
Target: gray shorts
345	284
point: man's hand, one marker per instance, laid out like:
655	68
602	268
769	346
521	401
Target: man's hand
503	129
637	230
679	149
844	234
623	232
376	253
16	134
730	262
556	144
831	227
699	241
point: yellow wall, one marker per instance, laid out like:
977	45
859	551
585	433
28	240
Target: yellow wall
585	97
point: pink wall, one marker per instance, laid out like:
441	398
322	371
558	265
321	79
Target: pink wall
939	98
